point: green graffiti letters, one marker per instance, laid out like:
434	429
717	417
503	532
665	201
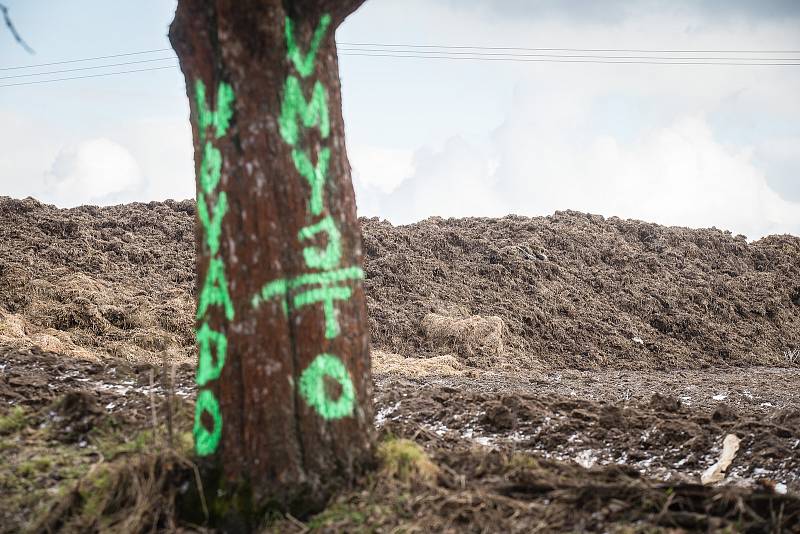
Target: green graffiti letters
305	64
315	176
276	288
327	277
325	295
215	290
210	168
219	118
206	442
327	285
213	227
315	258
310	113
316	393
212	345
207	370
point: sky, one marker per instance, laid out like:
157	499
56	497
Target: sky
688	145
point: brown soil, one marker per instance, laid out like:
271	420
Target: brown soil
581	291
98	282
566	373
570	290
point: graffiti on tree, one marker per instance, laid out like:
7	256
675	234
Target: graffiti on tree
327	284
212	125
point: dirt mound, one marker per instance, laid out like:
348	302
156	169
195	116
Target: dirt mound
95	282
582	291
569	290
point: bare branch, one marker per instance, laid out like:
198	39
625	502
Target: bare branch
13	30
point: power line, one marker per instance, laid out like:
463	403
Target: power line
632	50
87	59
87	76
558	58
440	55
446	47
87	68
512	54
563	60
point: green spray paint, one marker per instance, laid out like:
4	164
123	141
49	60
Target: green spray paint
314	391
219	118
206	442
330	257
215	290
305	63
327	277
276	288
325	295
295	107
314	175
328	285
207	369
213	227
210	168
212	345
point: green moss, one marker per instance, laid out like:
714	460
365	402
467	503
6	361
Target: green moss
337	515
113	444
14	420
7	444
405	460
523	462
94	492
42	464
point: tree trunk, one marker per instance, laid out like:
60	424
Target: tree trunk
284	408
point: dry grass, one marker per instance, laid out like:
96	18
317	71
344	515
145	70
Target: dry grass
478	339
396	364
78	316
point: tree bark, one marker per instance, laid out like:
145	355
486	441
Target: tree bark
284	412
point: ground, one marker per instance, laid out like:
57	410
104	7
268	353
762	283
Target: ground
554	374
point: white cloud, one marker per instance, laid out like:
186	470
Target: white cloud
163	149
94	171
542	162
454	181
686	145
781	158
125	161
28	146
377	171
681	175
382	168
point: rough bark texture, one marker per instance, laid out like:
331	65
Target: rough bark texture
294	391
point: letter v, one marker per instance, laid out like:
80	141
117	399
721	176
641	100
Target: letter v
305	63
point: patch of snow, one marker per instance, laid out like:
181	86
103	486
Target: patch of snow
586	458
384	413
